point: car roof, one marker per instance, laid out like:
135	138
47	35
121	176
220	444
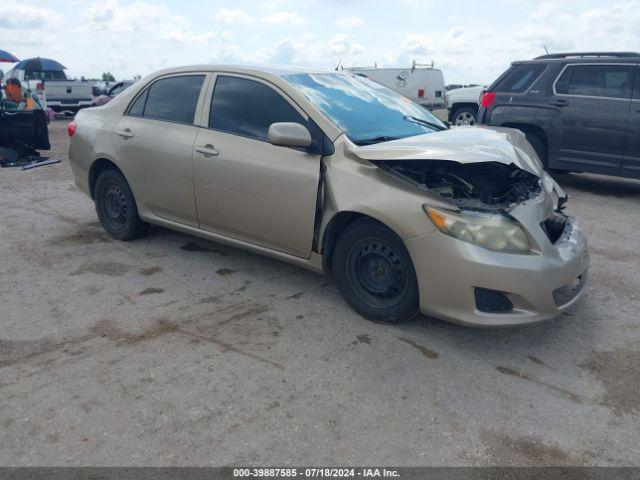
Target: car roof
584	57
277	70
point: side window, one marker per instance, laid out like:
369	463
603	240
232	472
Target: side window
248	108
520	78
636	87
613	81
137	108
173	99
562	83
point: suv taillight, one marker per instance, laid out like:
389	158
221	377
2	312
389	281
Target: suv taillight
71	128
487	99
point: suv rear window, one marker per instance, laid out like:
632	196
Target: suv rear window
613	81
519	78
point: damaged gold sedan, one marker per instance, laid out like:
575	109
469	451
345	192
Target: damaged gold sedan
336	173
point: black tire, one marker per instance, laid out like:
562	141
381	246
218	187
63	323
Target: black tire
116	206
374	273
540	146
464	116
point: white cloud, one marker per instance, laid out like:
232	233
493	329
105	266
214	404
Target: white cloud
232	16
273	4
348	22
284	18
417	44
139	36
342	44
22	16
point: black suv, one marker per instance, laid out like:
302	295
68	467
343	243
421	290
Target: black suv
580	111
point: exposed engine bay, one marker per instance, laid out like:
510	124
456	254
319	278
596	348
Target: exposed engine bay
486	185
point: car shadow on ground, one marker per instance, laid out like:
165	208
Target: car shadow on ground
483	342
600	184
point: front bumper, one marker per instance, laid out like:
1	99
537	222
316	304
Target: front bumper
540	286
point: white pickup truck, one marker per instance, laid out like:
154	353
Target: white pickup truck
54	89
462	105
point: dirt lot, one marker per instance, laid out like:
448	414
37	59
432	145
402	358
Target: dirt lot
172	350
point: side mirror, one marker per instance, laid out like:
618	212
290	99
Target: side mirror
289	134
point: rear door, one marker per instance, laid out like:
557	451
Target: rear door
593	103
631	162
154	145
247	188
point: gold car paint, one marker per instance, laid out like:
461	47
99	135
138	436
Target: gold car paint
446	268
158	160
254	191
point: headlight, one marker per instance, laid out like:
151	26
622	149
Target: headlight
492	231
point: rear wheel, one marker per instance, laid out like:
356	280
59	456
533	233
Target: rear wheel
116	206
465	116
374	273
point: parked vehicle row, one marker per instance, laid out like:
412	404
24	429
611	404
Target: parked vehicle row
339	174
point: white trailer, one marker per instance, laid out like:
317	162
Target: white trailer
421	83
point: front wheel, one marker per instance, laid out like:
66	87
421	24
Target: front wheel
374	273
116	206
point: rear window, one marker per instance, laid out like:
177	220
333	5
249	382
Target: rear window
173	99
613	81
520	78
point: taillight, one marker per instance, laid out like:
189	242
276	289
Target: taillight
421	93
487	99
40	86
71	128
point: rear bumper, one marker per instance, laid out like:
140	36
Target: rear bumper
62	104
540	287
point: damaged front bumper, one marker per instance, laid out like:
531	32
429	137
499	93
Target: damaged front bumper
468	284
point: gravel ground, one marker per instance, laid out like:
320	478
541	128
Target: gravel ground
172	350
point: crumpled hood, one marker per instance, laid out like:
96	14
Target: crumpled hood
462	144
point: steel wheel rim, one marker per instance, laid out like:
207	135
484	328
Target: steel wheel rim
465	118
378	273
116	209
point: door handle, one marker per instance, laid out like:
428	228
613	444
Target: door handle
559	102
207	150
126	133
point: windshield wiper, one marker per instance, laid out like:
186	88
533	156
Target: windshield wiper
426	123
378	139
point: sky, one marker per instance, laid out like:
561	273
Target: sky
470	41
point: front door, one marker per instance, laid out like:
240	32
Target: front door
593	103
245	187
154	143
